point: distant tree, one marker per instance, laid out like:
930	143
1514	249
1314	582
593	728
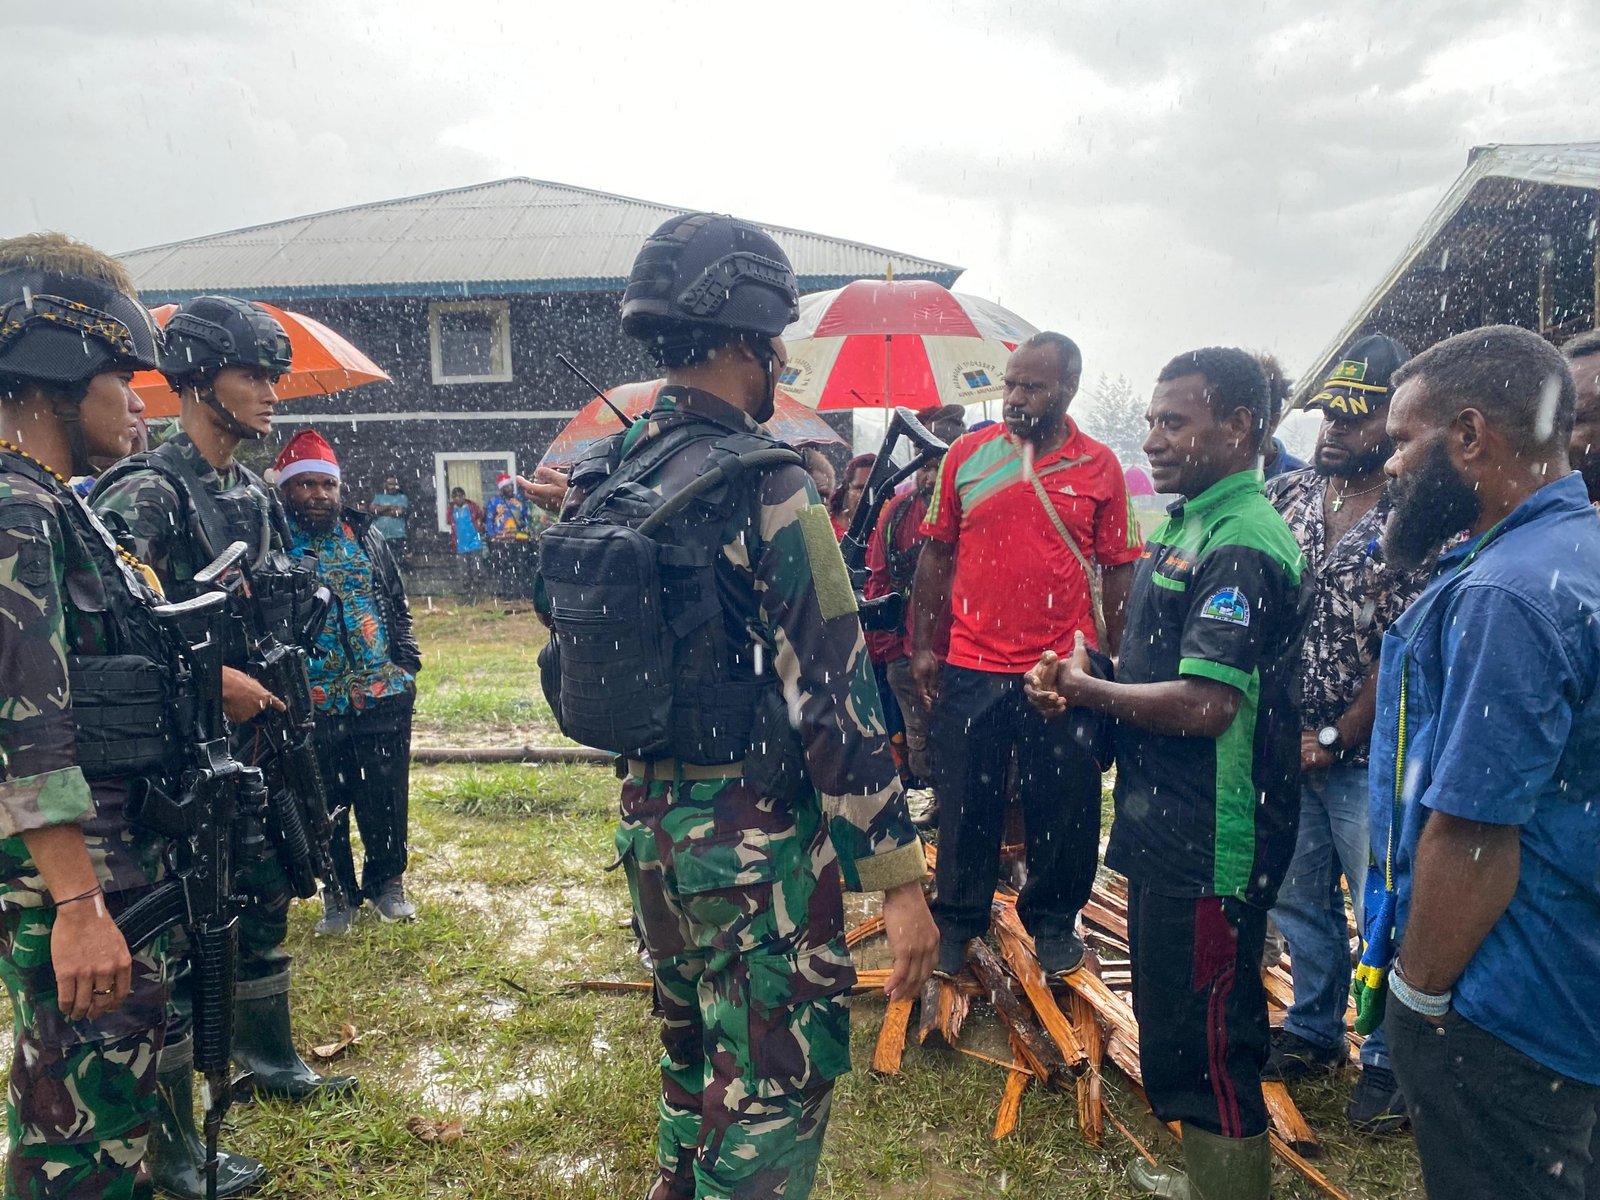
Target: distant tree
1113	413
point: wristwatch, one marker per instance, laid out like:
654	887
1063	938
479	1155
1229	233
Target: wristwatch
1328	738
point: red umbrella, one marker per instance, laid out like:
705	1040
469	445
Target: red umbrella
910	341
324	362
793	422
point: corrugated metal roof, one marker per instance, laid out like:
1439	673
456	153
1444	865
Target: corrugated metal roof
1563	164
512	235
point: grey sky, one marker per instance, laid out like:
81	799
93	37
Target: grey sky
1168	176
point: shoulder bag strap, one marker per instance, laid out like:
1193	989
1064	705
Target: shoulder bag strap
1095	600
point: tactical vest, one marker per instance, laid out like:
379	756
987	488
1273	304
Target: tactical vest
131	704
657	649
284	588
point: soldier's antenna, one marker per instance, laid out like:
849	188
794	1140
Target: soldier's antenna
594	387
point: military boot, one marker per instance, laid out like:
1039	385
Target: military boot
177	1155
264	1047
1218	1168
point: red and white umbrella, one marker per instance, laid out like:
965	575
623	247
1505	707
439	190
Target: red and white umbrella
880	343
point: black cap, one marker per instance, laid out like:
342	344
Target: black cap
1360	383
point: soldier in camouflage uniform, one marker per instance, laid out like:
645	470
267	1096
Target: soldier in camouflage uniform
738	892
89	1015
175	506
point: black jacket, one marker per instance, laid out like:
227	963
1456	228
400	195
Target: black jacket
392	603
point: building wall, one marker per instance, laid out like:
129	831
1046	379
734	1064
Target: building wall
394	332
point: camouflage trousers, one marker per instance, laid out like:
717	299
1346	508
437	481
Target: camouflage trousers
83	1093
740	904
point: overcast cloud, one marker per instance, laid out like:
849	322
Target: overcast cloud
1149	180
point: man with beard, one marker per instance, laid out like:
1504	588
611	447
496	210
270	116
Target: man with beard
1337	510
1486	777
1021	517
363	682
1207	768
1583	356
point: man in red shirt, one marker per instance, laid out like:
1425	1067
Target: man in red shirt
1012	577
892	554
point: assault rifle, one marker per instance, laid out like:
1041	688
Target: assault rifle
298	819
885	612
215	822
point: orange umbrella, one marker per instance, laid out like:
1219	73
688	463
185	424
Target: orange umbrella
324	362
791	422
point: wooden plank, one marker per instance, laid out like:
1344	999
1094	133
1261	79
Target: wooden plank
1091	1103
891	1047
1287	1122
1005	1120
944	1010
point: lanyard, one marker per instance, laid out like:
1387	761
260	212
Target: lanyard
1395	816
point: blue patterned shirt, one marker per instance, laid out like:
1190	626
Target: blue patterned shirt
355	668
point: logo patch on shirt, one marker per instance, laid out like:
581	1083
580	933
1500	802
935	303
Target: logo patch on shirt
1227	605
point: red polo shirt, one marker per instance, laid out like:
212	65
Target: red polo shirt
1018	590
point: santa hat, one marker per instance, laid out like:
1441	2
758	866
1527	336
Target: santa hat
501	480
307	450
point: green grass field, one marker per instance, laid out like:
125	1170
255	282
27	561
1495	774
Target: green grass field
462	1015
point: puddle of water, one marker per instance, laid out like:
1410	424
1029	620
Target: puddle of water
449	1089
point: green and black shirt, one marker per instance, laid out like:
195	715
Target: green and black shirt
1220	593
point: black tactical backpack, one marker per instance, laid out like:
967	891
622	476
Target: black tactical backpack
655	648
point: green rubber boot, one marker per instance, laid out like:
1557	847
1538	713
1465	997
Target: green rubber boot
1216	1168
177	1154
264	1048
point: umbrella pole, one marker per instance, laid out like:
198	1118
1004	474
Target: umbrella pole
888	344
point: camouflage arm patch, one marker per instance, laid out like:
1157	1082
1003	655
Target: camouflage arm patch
40	801
832	582
880	872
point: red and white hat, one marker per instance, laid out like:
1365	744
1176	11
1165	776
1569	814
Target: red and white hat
307	450
502	479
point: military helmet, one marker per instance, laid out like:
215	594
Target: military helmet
703	272
211	332
60	329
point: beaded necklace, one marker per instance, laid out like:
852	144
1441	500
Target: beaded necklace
139	567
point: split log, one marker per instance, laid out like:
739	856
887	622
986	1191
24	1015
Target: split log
1286	1120
1091	1104
1016	946
1038	1052
1005	1121
891	1045
944	1010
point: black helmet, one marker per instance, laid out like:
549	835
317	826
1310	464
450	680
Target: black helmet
211	332
704	272
60	330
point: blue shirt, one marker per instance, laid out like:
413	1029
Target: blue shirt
393	527
468	539
1284	462
1503	727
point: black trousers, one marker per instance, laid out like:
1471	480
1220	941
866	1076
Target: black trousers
1491	1123
365	756
1202	1009
979	719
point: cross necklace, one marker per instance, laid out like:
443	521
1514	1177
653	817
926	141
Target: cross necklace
1338	501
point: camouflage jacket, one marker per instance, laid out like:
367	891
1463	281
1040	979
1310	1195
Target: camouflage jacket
145	506
52	600
793	566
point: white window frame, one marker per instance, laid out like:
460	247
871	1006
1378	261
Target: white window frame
500	349
441	487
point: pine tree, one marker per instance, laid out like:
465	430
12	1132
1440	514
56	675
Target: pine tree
1113	413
